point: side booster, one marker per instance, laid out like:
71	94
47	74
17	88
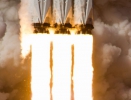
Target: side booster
62	15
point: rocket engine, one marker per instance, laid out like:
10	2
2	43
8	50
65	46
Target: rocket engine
62	15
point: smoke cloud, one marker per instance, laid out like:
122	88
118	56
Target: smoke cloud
111	50
2	26
13	74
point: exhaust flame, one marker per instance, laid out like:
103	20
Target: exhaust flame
83	68
61	68
70	76
40	67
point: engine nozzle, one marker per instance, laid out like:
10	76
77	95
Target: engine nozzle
84	29
41	28
62	28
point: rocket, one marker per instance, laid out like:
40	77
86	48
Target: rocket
63	15
41	15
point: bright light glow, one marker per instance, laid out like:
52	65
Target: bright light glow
25	44
62	63
40	67
83	67
61	67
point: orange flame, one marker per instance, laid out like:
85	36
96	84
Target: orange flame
64	58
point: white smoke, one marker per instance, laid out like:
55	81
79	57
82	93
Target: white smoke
12	73
25	17
2	25
111	53
10	48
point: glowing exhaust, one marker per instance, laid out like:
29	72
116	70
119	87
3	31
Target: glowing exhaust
61	67
40	67
83	67
70	58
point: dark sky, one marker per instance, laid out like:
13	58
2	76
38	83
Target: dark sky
111	51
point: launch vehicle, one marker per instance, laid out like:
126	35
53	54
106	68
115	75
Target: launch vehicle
62	16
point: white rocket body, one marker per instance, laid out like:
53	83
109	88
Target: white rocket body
61	12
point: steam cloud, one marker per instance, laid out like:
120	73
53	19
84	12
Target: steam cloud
12	72
111	50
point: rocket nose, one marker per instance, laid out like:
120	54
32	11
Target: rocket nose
2	29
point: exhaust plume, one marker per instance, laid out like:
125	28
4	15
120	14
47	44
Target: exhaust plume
111	50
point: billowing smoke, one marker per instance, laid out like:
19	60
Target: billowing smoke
2	26
13	73
112	53
111	50
9	21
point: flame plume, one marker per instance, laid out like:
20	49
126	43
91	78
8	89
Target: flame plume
40	67
83	68
61	67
